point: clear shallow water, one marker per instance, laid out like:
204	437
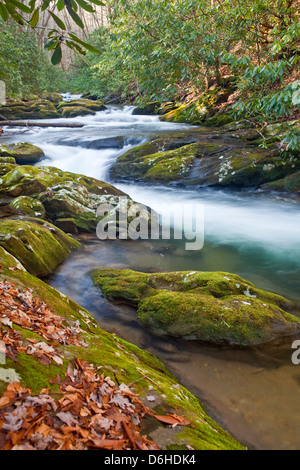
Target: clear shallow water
254	394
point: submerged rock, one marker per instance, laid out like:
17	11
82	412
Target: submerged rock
122	363
209	306
38	245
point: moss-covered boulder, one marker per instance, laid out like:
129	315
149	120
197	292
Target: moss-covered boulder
6	164
83	103
149	108
23	153
25	205
80	107
119	360
31	109
209	306
205	163
38	245
63	195
51	96
73	111
289	184
198	110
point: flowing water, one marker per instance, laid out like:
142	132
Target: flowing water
253	393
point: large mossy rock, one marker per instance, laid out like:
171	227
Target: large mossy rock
150	108
25	205
51	96
204	163
63	195
32	109
289	184
80	107
48	106
198	110
209	306
123	362
38	245
6	164
74	111
23	153
89	104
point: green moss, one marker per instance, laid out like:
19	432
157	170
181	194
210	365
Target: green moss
63	195
122	361
73	111
164	166
194	112
32	109
218	120
6	159
34	374
22	152
28	206
290	183
29	180
82	103
39	246
216	307
54	97
6	167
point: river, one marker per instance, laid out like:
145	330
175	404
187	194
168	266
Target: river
252	393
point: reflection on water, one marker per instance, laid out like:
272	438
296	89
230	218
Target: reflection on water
252	393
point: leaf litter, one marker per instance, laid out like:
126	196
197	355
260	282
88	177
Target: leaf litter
91	411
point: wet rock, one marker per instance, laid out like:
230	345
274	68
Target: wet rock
67	225
33	109
209	306
38	245
97	144
51	96
73	111
80	105
288	184
64	195
25	205
148	109
22	153
224	161
197	111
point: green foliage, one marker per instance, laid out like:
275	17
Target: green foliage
24	64
106	73
176	49
24	14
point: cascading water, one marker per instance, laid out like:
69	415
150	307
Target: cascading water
255	394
